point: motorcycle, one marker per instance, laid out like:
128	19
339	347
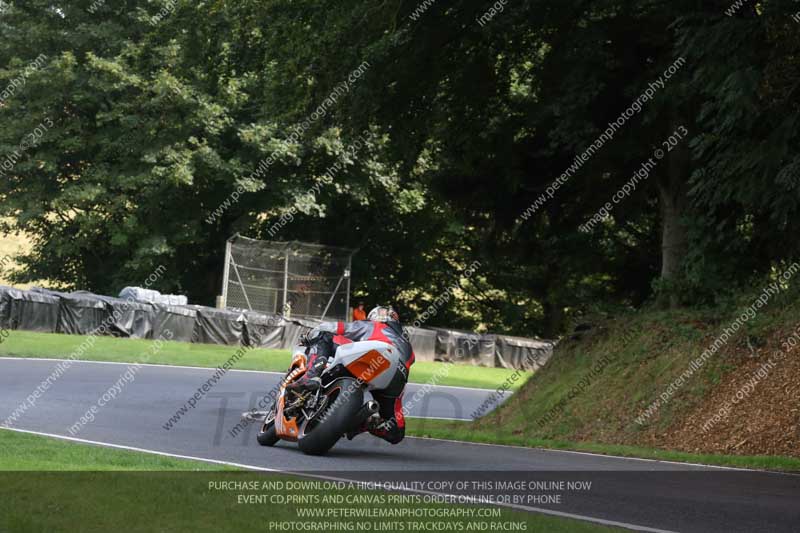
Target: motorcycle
317	418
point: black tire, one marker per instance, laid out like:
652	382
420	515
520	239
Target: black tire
320	434
267	435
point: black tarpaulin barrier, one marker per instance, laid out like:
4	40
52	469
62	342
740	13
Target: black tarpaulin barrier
443	345
5	305
40	290
218	326
423	341
455	346
173	322
61	327
33	311
83	313
521	353
477	349
129	318
294	329
263	331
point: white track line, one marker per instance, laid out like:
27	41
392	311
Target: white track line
206	368
439	418
55	359
468	499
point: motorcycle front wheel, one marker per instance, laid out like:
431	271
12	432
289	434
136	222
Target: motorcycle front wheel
267	436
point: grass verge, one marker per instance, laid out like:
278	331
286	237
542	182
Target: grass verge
26	452
486	434
164	494
712	385
32	344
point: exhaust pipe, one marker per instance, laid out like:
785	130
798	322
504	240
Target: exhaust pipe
367	410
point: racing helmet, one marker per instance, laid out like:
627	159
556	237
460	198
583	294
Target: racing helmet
383	313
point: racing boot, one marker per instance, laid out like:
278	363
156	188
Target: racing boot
317	362
369	424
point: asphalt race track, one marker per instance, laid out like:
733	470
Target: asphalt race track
637	494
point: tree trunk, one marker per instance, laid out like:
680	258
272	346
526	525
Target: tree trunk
672	191
553	318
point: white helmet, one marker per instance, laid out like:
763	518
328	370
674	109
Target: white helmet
383	314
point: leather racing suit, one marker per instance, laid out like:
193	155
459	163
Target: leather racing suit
326	337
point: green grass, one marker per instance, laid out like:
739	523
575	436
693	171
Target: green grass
26	452
172	495
32	344
496	434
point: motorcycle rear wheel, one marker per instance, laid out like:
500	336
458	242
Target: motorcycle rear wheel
324	429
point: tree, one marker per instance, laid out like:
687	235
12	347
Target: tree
430	136
172	129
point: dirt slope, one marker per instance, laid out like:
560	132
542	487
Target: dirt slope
600	384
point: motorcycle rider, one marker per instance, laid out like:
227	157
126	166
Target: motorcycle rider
382	324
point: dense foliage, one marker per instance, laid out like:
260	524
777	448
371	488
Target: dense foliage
426	131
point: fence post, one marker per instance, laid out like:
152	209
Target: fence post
225	275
